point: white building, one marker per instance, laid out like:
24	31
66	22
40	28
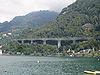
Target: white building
1	46
4	35
9	33
0	52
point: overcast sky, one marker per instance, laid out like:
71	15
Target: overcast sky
11	8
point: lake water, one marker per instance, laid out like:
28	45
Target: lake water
31	65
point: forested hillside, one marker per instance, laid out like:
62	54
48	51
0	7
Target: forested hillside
19	23
33	19
81	19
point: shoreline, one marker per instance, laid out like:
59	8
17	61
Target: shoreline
80	55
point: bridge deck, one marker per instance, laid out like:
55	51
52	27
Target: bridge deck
69	38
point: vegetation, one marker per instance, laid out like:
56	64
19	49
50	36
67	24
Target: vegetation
81	19
40	49
33	48
90	44
33	19
19	23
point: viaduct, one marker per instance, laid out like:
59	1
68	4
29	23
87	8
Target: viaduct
74	39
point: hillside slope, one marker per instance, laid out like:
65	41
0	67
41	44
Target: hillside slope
19	23
81	19
33	19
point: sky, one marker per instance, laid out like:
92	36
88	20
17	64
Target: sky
11	8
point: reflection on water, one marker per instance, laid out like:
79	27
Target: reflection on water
31	65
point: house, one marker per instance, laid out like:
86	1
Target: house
0	52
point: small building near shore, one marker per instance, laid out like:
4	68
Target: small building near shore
0	52
18	53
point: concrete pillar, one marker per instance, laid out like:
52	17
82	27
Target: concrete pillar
22	41
44	42
59	43
74	41
31	41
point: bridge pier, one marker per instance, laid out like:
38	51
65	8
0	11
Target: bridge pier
22	41
44	42
74	41
31	41
59	43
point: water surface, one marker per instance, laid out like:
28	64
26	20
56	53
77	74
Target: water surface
34	65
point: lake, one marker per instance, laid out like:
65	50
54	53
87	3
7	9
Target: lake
50	65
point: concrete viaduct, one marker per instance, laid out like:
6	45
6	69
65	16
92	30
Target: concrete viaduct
74	39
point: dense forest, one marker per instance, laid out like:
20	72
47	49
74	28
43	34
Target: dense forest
81	19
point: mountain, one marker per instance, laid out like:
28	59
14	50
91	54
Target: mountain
81	19
33	19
